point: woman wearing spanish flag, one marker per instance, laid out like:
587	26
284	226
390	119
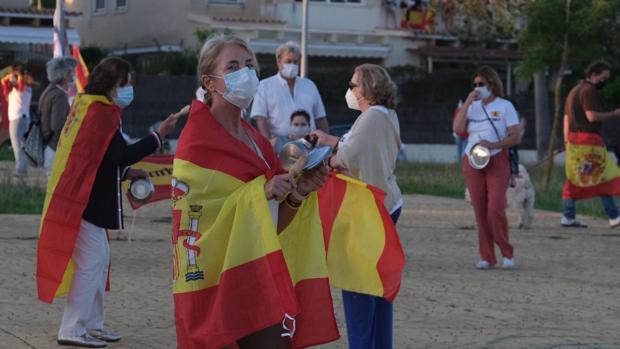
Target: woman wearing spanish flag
231	200
373	93
83	200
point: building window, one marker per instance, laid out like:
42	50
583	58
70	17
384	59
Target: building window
98	6
121	4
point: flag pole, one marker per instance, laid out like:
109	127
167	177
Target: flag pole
60	34
304	39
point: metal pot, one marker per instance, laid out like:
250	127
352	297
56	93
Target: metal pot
479	156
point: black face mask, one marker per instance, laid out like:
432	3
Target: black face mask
599	85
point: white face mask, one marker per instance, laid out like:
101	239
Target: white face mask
241	87
484	92
352	102
299	131
290	70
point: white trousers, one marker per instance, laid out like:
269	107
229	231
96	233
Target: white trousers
48	160
91	259
17	128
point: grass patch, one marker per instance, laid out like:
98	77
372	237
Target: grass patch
6	154
447	180
18	197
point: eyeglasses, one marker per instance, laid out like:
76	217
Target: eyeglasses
478	84
352	85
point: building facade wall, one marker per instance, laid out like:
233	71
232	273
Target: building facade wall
140	24
161	22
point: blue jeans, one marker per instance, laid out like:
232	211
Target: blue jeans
608	204
369	318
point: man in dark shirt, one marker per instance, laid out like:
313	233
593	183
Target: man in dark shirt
583	116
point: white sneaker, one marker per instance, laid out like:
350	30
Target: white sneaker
85	341
483	265
573	223
508	263
105	335
614	222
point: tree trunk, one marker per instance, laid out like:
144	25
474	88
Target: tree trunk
543	117
558	100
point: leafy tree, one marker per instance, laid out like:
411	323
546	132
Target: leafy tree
564	33
487	20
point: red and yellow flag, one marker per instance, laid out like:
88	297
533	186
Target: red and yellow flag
364	253
81	70
231	274
81	149
589	170
159	169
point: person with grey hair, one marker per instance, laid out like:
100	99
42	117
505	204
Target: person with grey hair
280	95
54	104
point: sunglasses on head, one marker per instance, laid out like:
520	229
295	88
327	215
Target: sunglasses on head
478	84
352	85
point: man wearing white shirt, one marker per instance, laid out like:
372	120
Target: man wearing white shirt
280	95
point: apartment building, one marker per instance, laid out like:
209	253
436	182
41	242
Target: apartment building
338	29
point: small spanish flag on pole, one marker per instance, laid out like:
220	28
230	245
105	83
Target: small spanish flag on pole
81	70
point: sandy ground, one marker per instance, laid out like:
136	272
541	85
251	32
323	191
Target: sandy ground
564	294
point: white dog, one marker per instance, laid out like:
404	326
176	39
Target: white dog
521	197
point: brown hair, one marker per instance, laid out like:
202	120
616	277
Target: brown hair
490	75
106	74
377	86
597	67
209	53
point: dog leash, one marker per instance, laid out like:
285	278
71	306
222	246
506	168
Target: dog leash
557	151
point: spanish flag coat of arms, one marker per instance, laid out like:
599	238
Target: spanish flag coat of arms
589	170
234	275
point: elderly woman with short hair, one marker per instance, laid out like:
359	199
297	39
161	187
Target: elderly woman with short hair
368	152
54	104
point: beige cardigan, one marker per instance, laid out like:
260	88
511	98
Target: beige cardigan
369	152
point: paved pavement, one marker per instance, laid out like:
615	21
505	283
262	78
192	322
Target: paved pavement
564	294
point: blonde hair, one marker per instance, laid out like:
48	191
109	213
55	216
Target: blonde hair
377	86
490	75
209	53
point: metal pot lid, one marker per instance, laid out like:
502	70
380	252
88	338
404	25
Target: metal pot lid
479	156
141	189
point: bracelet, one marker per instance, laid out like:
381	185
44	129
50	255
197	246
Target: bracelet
291	204
297	196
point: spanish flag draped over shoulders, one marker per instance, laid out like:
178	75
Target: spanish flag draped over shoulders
230	275
589	170
90	126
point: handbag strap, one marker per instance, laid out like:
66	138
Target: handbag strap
499	139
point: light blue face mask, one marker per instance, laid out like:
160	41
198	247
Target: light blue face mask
124	96
241	87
